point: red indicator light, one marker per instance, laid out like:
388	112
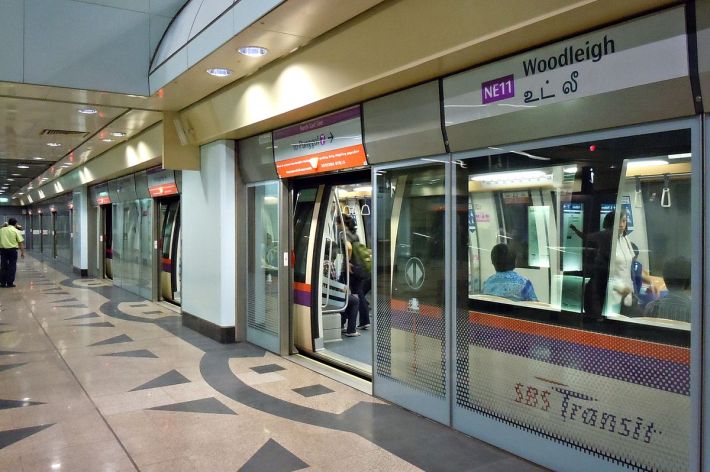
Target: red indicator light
593	147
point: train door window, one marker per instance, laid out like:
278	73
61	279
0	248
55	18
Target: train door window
170	235
303	213
575	321
107	231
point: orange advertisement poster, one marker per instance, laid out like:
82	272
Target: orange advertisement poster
163	190
327	161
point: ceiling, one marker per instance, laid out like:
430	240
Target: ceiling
27	110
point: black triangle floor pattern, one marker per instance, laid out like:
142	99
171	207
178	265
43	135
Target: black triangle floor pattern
11	436
273	457
104	324
65	300
83	317
204	405
169	378
138	353
7	404
5	367
123	338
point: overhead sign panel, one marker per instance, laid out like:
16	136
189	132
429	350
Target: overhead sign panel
101	195
161	182
645	51
325	144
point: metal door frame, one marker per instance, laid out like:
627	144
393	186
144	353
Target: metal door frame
390	389
266	341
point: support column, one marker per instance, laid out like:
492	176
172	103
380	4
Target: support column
80	231
208	243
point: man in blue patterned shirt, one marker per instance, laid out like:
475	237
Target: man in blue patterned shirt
507	283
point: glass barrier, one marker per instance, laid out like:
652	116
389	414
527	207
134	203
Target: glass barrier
575	320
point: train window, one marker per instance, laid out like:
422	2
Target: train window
588	230
305	204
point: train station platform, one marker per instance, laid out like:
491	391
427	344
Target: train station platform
93	378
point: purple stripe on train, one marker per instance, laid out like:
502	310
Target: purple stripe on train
301	297
651	372
421	324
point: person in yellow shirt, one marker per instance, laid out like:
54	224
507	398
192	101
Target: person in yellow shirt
10	241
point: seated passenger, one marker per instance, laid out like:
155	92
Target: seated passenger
506	282
676	305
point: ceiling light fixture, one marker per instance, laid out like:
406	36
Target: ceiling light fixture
253	51
118	134
220	72
511	176
16	175
37	158
53	144
684	155
88	111
107	140
10	180
23	166
652	162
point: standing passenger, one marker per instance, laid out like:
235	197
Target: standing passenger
621	292
10	241
597	253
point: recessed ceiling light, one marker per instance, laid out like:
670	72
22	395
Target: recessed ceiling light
53	144
107	140
16	175
220	72
118	134
37	158
253	51
10	180
88	111
23	166
66	165
648	162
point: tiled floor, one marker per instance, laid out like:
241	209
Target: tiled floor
93	378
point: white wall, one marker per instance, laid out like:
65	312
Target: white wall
80	238
209	236
84	44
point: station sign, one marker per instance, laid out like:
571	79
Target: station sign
640	52
325	144
101	194
161	182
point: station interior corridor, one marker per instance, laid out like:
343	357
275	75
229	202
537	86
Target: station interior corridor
93	378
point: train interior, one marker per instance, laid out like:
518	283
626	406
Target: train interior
332	299
170	250
549	207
